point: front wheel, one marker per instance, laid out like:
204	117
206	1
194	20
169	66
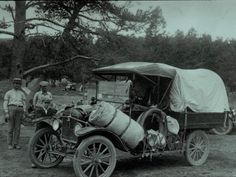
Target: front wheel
95	156
224	130
197	148
45	148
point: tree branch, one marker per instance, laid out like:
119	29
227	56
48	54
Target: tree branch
34	34
57	24
66	8
8	33
88	30
46	20
42	24
10	10
32	3
27	72
91	19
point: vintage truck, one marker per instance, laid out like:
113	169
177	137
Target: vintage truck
141	108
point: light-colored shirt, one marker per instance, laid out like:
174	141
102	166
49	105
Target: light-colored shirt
14	97
39	97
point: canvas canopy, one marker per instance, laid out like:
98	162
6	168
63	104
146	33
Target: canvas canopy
201	90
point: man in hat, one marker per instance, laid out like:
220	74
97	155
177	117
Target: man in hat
40	95
14	107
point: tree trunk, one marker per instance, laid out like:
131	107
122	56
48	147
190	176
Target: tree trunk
18	50
67	38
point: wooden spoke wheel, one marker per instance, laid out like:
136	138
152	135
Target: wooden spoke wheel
44	148
197	148
95	157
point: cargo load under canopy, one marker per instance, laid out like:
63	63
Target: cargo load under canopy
201	90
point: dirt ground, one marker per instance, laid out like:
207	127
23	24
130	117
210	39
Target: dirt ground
221	161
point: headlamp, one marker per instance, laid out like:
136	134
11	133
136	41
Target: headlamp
56	124
78	126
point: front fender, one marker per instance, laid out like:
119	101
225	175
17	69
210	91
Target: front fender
145	120
90	131
43	122
85	131
48	121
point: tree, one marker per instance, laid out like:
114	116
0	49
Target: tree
72	21
18	49
96	18
156	23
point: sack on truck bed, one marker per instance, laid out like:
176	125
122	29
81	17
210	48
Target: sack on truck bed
116	121
172	125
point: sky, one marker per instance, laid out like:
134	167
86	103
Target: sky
214	17
217	18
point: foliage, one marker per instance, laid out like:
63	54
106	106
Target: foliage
97	17
181	50
85	21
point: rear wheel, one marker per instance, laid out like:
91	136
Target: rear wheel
224	130
95	156
197	148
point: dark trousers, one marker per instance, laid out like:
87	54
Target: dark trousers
14	124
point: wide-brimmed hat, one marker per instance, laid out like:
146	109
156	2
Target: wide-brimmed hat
17	80
43	83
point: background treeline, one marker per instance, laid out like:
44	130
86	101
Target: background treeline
181	50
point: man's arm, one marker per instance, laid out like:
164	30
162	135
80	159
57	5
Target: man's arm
24	101
5	102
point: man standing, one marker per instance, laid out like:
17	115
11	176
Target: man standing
40	95
14	108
